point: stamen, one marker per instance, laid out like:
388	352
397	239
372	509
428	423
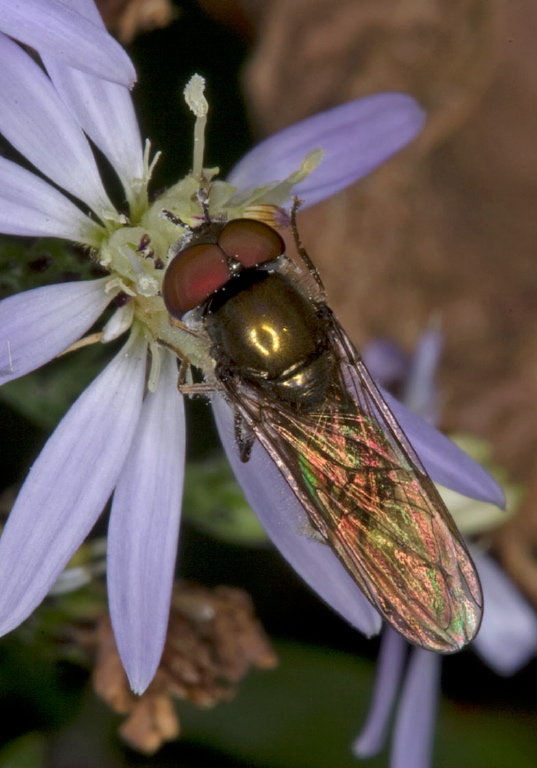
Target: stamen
137	190
311	161
197	103
116	285
156	365
149	167
93	338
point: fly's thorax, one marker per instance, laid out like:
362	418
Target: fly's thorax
264	331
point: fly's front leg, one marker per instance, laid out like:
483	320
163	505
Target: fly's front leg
202	388
187	386
302	251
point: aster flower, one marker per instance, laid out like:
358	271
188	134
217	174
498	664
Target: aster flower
72	32
507	638
125	434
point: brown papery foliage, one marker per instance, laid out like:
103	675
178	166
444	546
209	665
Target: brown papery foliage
126	19
214	639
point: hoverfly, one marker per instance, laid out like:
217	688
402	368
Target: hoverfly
296	384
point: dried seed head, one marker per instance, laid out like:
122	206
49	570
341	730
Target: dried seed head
213	639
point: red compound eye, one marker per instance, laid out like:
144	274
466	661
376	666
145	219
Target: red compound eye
250	242
192	277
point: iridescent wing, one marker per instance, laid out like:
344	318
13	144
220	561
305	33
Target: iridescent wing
369	498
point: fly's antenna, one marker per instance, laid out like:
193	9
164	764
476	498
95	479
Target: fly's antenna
173	219
301	250
202	196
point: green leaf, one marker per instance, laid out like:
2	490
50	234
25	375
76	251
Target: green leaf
44	396
28	751
214	501
306	714
27	263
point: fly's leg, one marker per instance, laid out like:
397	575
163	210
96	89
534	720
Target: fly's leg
244	438
186	386
302	251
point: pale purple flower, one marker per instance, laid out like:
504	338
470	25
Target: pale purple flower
124	437
507	638
70	30
414	720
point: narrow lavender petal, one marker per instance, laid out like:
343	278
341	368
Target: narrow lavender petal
357	137
386	361
144	528
421	393
37	325
446	463
35	120
507	639
55	27
285	521
414	725
69	485
106	113
103	109
389	671
31	207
